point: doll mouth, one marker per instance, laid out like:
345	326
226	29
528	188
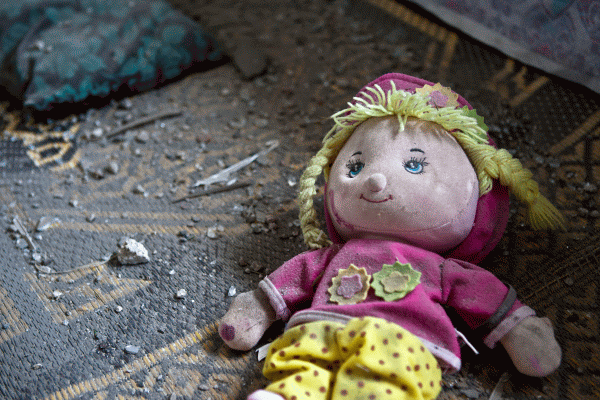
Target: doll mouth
390	197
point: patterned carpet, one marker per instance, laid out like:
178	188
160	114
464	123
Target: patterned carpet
75	324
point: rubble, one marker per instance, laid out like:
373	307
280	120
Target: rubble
132	252
46	223
249	59
223	175
130	349
232	291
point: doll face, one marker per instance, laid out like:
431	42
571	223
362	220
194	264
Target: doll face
416	186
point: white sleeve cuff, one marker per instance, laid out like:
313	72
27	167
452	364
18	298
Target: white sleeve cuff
275	298
505	326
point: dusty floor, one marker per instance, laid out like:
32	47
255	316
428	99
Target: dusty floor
74	324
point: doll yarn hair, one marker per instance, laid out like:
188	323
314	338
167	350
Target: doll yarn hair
463	124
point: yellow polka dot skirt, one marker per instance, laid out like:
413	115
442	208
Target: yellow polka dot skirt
369	358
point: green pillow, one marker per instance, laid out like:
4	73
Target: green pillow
59	51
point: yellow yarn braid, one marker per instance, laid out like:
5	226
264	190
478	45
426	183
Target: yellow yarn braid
489	163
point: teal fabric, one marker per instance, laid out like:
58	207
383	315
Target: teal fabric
60	51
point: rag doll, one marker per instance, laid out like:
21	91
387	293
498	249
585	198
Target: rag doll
416	193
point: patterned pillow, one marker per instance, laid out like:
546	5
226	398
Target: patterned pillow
62	51
560	37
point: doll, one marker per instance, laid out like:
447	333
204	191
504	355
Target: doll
416	194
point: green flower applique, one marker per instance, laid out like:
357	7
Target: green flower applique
350	286
473	114
395	281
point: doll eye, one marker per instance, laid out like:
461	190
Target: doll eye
354	167
415	165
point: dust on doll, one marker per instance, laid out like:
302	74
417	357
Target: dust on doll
415	196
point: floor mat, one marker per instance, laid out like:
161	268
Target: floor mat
75	324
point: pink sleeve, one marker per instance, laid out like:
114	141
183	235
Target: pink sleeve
293	283
475	294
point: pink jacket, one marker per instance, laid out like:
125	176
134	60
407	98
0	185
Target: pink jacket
298	291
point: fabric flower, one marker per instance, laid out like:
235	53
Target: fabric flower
350	286
440	96
473	114
395	281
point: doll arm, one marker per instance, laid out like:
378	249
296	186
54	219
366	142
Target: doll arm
477	295
481	299
251	313
532	347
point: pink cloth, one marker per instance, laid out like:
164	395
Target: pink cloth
298	291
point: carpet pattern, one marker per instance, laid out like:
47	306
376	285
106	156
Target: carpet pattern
75	324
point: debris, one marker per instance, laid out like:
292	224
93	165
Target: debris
223	176
49	271
139	189
499	388
215	231
44	269
118	309
249	59
36	366
144	121
212	233
95	134
181	293
130	349
471	393
97	174
238	123
112	168
232	291
46	223
126	104
207	192
590	187
569	281
56	294
132	252
39	258
261	122
142	137
17	226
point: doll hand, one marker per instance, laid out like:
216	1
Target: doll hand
249	316
532	347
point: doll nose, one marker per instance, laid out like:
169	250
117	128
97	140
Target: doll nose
376	182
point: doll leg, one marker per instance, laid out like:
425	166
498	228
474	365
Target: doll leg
302	362
367	358
384	361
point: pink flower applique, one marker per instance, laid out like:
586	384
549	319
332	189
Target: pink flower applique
350	286
440	96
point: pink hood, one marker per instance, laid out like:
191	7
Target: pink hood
492	208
